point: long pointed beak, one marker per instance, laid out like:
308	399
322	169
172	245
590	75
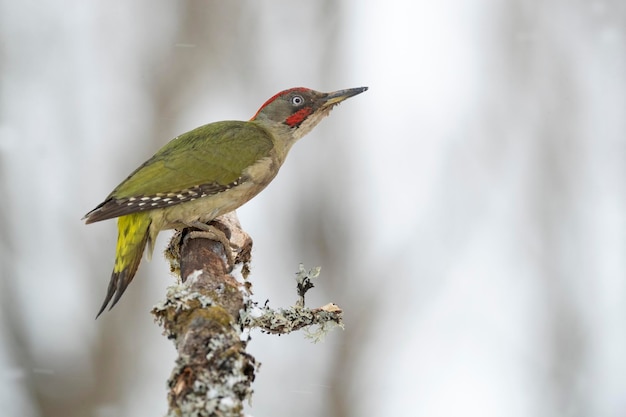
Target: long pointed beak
337	97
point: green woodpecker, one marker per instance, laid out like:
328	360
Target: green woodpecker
205	173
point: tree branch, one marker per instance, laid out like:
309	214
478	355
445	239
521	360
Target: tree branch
207	314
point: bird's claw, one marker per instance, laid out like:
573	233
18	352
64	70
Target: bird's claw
207	231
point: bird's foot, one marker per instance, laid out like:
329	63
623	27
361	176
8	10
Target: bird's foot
207	231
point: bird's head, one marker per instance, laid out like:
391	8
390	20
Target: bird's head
298	110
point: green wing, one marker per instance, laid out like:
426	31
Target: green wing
204	161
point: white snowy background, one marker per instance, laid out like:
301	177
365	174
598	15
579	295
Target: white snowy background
468	211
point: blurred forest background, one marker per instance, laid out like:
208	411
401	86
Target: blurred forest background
468	211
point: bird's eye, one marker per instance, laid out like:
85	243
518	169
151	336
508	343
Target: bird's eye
297	100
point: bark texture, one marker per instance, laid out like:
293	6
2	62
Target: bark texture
213	373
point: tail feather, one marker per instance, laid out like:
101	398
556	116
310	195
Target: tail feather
133	234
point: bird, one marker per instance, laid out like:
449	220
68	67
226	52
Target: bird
204	173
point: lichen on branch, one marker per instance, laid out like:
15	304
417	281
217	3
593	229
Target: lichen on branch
209	313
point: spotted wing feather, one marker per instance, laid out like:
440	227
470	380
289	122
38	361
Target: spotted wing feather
113	207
